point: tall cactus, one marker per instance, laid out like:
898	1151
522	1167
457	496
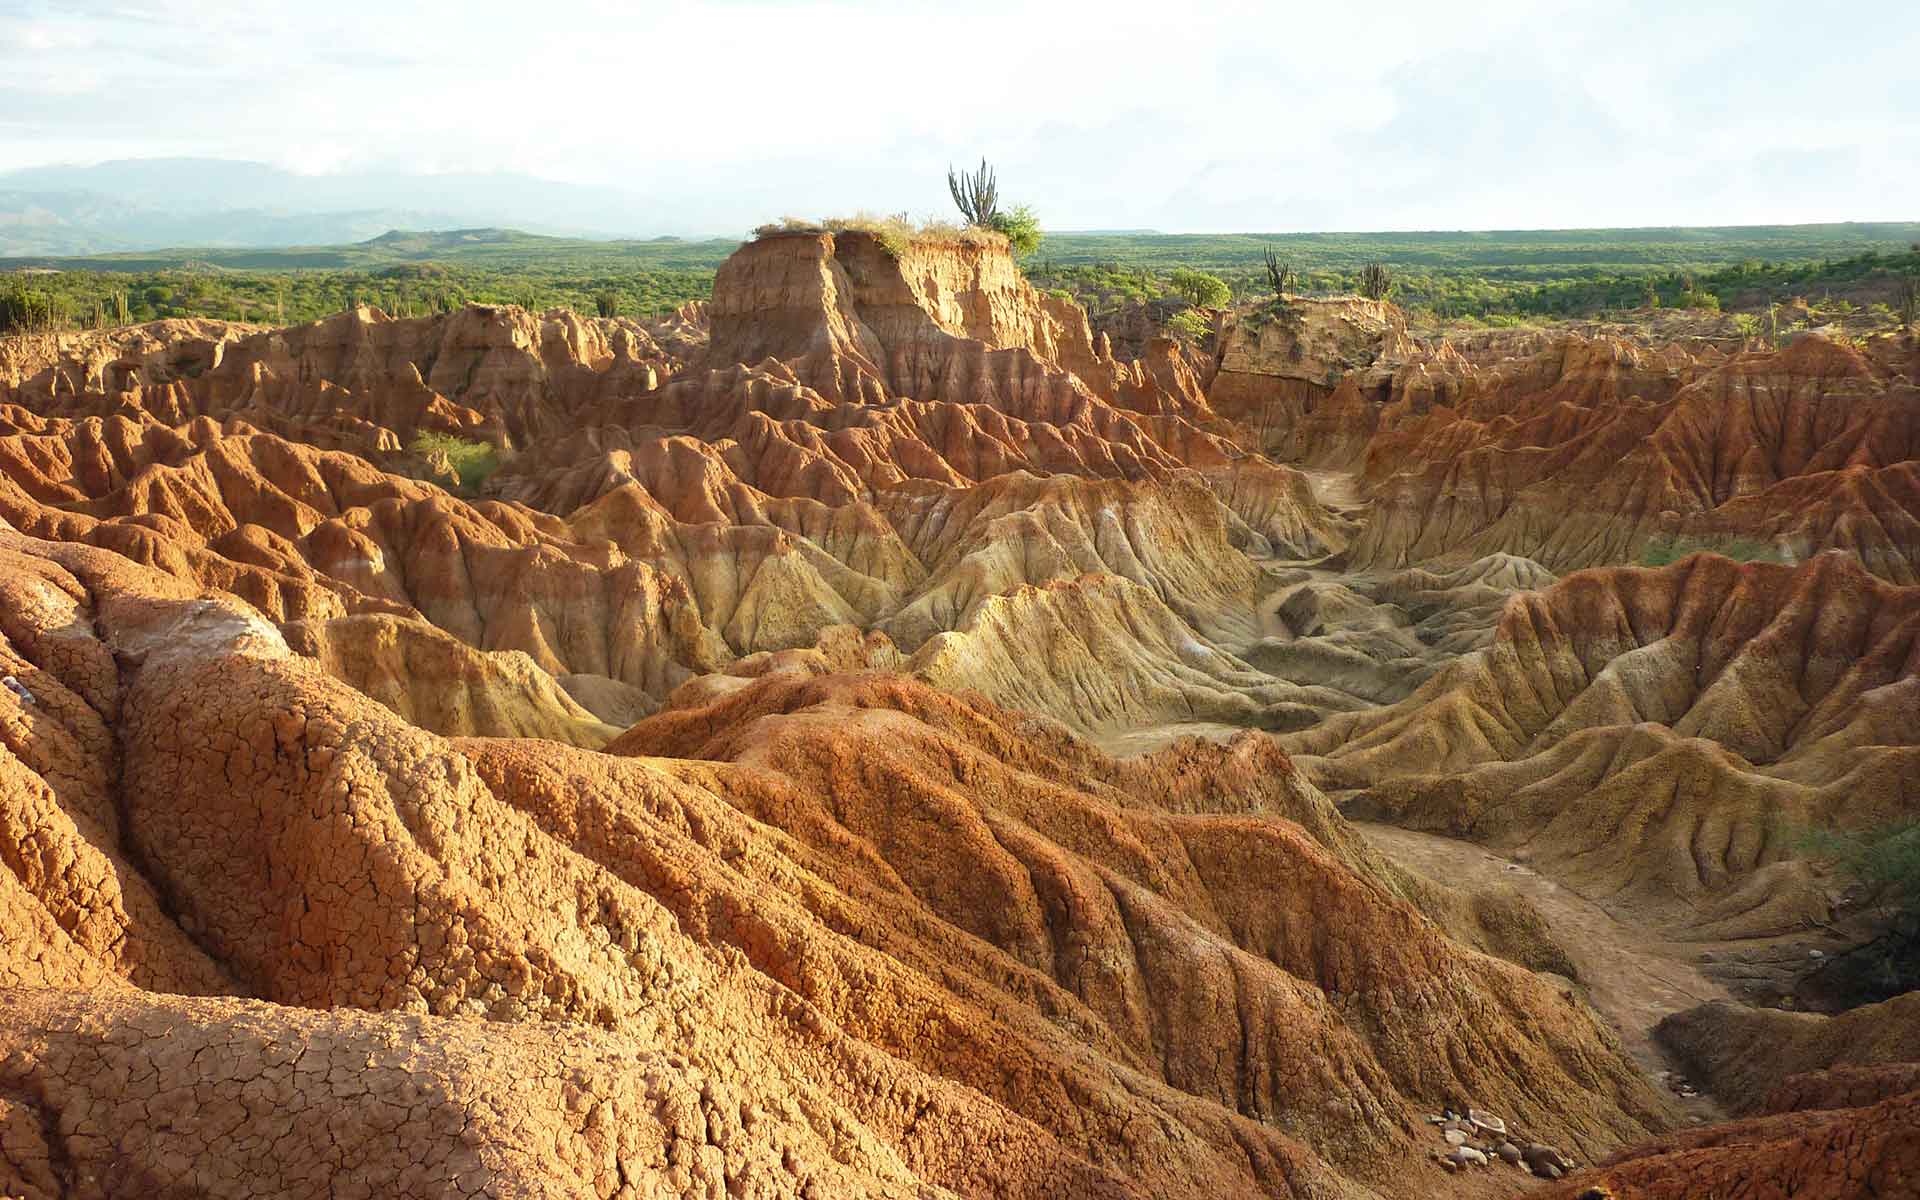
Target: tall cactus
1376	281
976	193
1280	276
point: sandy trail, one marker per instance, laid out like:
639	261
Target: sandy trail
1125	743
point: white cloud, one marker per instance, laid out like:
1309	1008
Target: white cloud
1211	115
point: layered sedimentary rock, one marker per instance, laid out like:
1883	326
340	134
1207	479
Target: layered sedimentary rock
643	529
1295	373
1768	1061
1818	1154
741	955
1657	735
1588	451
359	381
1581	449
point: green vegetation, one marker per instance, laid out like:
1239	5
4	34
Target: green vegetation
1502	278
1492	279
79	299
1020	227
1885	859
472	462
977	195
404	274
1521	255
1660	551
30	310
1190	325
1200	288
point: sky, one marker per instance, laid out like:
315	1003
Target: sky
1193	116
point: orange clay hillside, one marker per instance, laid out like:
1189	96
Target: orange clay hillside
748	753
894	934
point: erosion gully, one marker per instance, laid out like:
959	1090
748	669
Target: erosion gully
1630	975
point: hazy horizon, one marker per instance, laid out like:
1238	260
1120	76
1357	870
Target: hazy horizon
718	233
724	233
708	119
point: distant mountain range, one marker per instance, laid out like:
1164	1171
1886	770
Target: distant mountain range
150	203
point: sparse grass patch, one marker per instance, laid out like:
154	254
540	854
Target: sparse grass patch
894	233
1660	551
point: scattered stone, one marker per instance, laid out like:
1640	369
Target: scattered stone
1468	1156
1451	1166
1816	954
1509	1153
1456	1138
1547	1171
18	689
1486	1122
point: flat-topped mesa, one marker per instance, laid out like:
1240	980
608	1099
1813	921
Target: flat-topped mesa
1280	363
863	318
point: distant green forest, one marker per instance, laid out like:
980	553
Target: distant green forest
1483	275
1522	273
405	274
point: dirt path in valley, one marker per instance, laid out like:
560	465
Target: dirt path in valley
1632	978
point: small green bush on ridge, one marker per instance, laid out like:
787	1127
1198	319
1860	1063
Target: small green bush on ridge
472	462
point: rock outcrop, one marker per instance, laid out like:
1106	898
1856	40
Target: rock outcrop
1295	374
1768	1061
1589	451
